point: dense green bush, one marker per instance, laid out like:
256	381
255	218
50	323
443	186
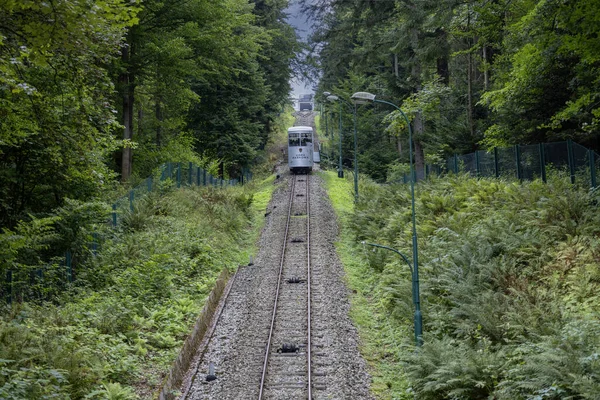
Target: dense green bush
509	285
120	324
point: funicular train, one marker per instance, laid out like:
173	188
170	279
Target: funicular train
300	149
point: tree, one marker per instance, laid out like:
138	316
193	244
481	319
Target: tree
57	117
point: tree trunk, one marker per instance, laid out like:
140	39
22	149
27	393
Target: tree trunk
127	82
442	62
486	72
158	115
418	129
470	82
399	145
419	160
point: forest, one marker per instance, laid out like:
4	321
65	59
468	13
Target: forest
97	92
469	75
95	95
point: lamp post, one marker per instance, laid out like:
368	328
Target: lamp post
418	319
365	97
336	98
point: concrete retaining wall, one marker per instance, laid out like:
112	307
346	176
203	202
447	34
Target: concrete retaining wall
175	377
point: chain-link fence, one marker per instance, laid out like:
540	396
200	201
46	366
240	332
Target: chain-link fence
524	162
37	282
180	174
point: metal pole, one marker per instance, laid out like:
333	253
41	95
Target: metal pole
340	169
331	140
571	159
518	159
355	159
326	123
542	162
496	165
418	316
592	160
415	293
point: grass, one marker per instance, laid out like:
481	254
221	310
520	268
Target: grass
117	331
381	342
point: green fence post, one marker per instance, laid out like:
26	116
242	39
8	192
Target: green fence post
455	163
203	177
131	199
496	164
149	184
518	161
10	286
592	161
543	162
178	175
114	215
197	176
94	244
477	166
571	159
190	173
69	264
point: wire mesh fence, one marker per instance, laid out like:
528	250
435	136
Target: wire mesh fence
40	281
524	162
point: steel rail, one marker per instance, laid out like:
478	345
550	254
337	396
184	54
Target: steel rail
308	346
268	349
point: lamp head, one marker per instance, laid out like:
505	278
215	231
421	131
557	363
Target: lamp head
333	98
326	94
363	97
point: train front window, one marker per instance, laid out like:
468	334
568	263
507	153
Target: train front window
306	138
294	139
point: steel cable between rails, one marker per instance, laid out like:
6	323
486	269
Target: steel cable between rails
308	267
285	236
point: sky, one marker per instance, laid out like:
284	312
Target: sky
299	21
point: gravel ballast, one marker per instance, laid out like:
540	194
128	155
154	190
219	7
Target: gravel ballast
237	346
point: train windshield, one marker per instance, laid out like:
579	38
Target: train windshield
300	138
294	139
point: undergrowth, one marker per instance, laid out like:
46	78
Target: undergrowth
114	332
509	287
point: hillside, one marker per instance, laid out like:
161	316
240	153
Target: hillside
509	285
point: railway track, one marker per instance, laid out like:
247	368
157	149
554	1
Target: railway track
274	352
304	118
284	331
287	363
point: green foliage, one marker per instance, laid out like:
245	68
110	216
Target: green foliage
467	74
509	285
114	332
55	101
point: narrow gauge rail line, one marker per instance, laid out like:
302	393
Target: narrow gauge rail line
287	360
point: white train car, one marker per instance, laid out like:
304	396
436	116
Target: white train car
300	149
